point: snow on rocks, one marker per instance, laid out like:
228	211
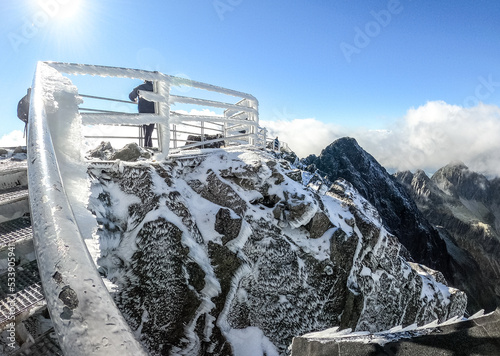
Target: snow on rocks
211	252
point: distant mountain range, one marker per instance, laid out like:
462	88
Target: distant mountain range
464	206
449	222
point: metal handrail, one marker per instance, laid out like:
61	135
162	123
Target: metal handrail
163	98
106	71
85	318
107	99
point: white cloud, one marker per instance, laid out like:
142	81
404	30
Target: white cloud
437	133
427	137
13	139
304	136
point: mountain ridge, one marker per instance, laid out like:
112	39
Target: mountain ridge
465	207
344	158
407	204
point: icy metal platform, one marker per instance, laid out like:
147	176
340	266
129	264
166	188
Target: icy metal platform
10	165
14	231
45	345
11	195
25	296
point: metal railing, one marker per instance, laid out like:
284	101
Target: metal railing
85	318
171	139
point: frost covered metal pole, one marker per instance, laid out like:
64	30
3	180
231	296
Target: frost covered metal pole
253	103
163	87
85	318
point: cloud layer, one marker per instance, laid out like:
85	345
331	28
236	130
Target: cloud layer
13	139
427	137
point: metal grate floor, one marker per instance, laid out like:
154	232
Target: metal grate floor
14	231
13	194
45	345
26	293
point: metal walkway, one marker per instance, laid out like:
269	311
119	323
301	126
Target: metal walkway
45	345
15	231
21	295
11	195
24	297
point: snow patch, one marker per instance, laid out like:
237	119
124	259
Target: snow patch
250	342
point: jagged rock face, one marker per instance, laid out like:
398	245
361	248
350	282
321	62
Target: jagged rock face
464	205
130	152
458	181
344	158
495	201
218	251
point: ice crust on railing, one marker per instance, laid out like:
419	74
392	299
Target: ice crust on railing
73	68
61	100
186	100
179	119
85	317
245	110
129	119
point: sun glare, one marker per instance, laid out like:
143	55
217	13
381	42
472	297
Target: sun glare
60	9
69	8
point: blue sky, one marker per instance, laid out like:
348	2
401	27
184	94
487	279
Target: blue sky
341	62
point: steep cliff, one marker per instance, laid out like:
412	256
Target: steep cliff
464	205
216	253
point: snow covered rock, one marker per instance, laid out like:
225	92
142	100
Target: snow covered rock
104	151
223	253
344	158
478	335
130	152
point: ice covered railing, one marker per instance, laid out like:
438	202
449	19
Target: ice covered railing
178	130
84	315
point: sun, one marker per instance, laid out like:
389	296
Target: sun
61	9
69	9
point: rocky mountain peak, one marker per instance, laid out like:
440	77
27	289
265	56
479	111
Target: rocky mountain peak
423	189
465	207
457	180
344	158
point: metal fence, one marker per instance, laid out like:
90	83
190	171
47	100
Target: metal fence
175	130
